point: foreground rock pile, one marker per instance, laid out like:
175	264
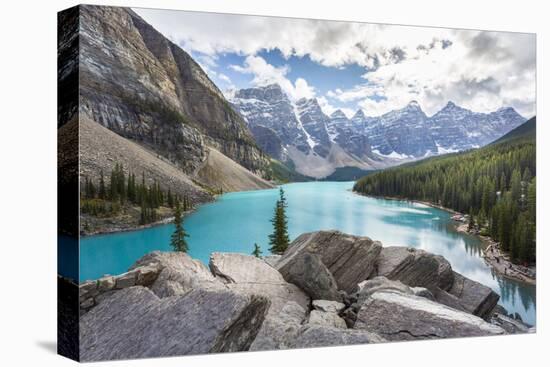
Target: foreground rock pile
329	288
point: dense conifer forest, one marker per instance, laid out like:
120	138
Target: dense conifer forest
108	199
495	185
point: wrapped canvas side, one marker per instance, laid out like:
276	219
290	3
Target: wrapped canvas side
67	184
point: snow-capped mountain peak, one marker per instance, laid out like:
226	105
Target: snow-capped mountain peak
359	115
338	115
305	134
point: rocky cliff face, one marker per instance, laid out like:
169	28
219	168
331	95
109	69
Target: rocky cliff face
300	133
169	304
145	88
347	134
402	131
315	124
269	107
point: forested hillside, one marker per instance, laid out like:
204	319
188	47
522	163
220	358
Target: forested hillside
495	185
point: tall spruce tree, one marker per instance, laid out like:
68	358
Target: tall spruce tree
102	191
279	240
170	199
178	242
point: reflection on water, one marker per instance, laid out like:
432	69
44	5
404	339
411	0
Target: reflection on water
238	220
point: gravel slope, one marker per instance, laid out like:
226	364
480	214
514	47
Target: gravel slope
218	171
101	149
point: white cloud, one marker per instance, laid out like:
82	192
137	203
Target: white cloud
495	74
265	73
329	43
328	108
225	78
478	70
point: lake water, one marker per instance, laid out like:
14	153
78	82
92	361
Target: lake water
238	220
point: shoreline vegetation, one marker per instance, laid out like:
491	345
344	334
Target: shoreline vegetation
493	255
499	260
492	188
122	204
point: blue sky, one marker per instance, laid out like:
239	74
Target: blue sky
351	66
322	78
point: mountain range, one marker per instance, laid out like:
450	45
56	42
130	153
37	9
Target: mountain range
315	144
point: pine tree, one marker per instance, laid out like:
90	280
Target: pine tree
86	193
102	192
471	222
257	250
178	242
170	199
91	189
515	185
113	185
131	188
143	213
527	176
279	240
532	201
185	207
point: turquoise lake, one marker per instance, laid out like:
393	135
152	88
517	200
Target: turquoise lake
236	221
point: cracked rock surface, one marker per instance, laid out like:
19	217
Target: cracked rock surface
400	316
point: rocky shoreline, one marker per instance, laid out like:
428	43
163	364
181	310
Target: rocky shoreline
110	226
118	227
328	288
500	261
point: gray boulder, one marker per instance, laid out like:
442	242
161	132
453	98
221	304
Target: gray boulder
350	259
472	296
271	259
418	268
179	273
423	292
280	329
311	336
135	323
512	326
328	306
396	315
240	268
308	272
415	268
371	286
251	275
330	319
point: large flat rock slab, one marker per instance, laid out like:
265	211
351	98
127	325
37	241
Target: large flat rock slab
135	323
311	336
239	268
398	316
350	259
179	273
251	275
